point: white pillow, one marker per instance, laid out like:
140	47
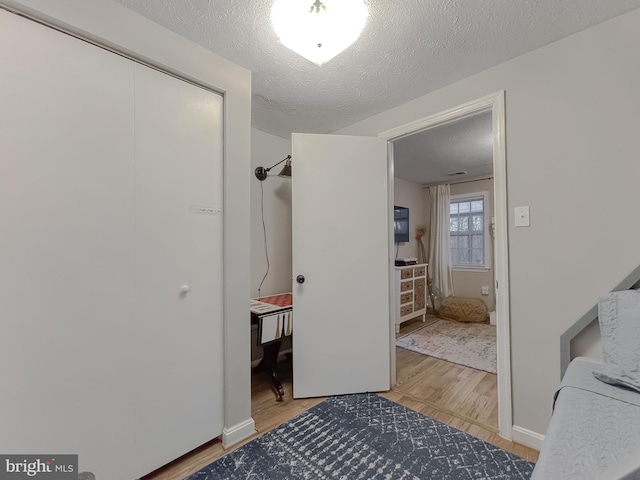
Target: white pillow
619	318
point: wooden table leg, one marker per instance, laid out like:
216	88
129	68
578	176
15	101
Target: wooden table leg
268	365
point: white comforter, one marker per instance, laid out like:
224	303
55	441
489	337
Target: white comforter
594	431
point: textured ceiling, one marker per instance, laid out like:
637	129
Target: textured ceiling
430	156
406	50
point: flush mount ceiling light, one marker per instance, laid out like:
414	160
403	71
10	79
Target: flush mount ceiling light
318	30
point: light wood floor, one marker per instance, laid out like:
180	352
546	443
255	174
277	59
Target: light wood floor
458	396
468	394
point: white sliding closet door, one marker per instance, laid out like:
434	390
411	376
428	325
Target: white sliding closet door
66	250
110	210
178	246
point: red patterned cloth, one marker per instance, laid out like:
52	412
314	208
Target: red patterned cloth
280	300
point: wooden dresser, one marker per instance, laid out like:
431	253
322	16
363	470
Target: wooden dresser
411	297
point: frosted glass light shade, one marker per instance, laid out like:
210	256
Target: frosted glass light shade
318	34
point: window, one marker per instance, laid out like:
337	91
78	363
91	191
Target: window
467	230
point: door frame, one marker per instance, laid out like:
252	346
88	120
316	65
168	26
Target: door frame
496	104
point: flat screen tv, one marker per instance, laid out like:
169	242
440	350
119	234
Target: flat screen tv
401	224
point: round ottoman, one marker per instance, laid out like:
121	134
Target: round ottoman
464	309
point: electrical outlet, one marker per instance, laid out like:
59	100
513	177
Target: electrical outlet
485	290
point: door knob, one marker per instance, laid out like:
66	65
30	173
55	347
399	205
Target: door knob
300	279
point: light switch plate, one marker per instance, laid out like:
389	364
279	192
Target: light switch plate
522	216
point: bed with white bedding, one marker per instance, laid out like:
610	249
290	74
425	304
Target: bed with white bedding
594	431
595	427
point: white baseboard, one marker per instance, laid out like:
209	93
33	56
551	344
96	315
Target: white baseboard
527	437
237	433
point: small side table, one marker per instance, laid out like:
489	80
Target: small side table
274	316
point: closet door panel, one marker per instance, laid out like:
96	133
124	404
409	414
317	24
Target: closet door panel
178	267
66	250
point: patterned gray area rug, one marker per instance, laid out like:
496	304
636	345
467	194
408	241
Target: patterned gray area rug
469	344
365	437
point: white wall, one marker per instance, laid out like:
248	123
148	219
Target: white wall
587	343
266	150
410	195
111	24
572	116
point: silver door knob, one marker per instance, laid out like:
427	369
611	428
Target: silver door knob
300	279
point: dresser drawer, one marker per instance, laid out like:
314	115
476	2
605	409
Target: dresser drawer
406	310
406	273
406	298
406	286
419	290
418	272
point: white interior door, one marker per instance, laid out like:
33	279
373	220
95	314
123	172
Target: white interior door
340	246
178	251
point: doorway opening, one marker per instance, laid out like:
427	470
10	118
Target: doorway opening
486	189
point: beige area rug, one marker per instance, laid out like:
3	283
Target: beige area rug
469	344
